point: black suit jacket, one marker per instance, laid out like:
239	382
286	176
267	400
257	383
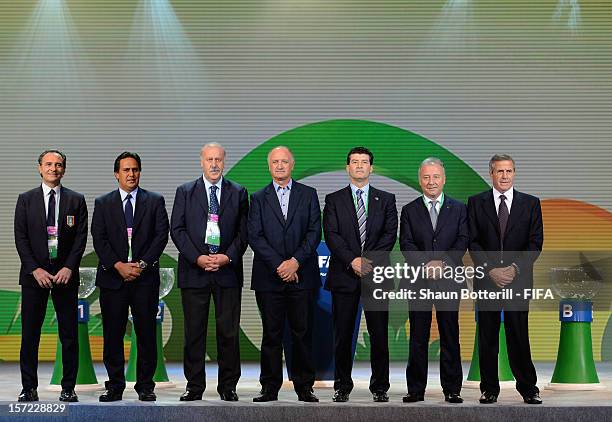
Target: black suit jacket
522	241
188	229
342	235
109	232
31	233
275	240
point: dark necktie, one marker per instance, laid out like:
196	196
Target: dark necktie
129	212
361	218
51	209
213	209
502	215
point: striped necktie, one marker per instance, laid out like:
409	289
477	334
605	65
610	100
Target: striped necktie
361	218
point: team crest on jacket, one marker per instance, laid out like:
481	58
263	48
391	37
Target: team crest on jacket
70	220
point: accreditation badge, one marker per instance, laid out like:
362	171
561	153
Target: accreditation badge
129	236
213	234
70	220
52	241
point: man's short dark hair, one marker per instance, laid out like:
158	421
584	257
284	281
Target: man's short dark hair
360	150
52	151
127	154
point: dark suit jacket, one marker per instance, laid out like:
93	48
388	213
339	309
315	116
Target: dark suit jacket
420	243
188	229
522	241
342	235
275	240
109	232
31	233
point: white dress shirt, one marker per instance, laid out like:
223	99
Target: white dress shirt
207	184
124	195
509	194
46	193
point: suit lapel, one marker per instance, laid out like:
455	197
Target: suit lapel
272	201
424	211
226	193
141	202
295	198
373	209
489	209
349	209
201	196
515	211
63	198
39	208
199	193
118	214
443	216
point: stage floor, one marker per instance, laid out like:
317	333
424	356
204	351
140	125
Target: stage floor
558	405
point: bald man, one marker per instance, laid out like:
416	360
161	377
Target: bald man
284	232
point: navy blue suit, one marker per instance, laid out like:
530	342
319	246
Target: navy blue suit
420	243
522	244
149	238
342	237
31	243
188	228
274	240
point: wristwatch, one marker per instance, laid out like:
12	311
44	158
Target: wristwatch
143	265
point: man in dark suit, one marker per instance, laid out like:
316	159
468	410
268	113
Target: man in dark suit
209	228
434	233
130	231
50	236
506	236
284	232
358	219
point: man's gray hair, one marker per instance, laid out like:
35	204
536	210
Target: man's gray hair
431	161
212	145
500	157
281	147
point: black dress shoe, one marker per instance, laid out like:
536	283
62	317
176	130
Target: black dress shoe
28	394
147	395
413	397
340	396
307	396
488	398
229	395
532	399
453	398
111	395
190	395
380	396
68	395
265	396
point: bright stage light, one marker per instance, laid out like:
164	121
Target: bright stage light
570	10
162	63
47	66
454	31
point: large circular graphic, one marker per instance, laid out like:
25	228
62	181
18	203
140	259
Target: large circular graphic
321	148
